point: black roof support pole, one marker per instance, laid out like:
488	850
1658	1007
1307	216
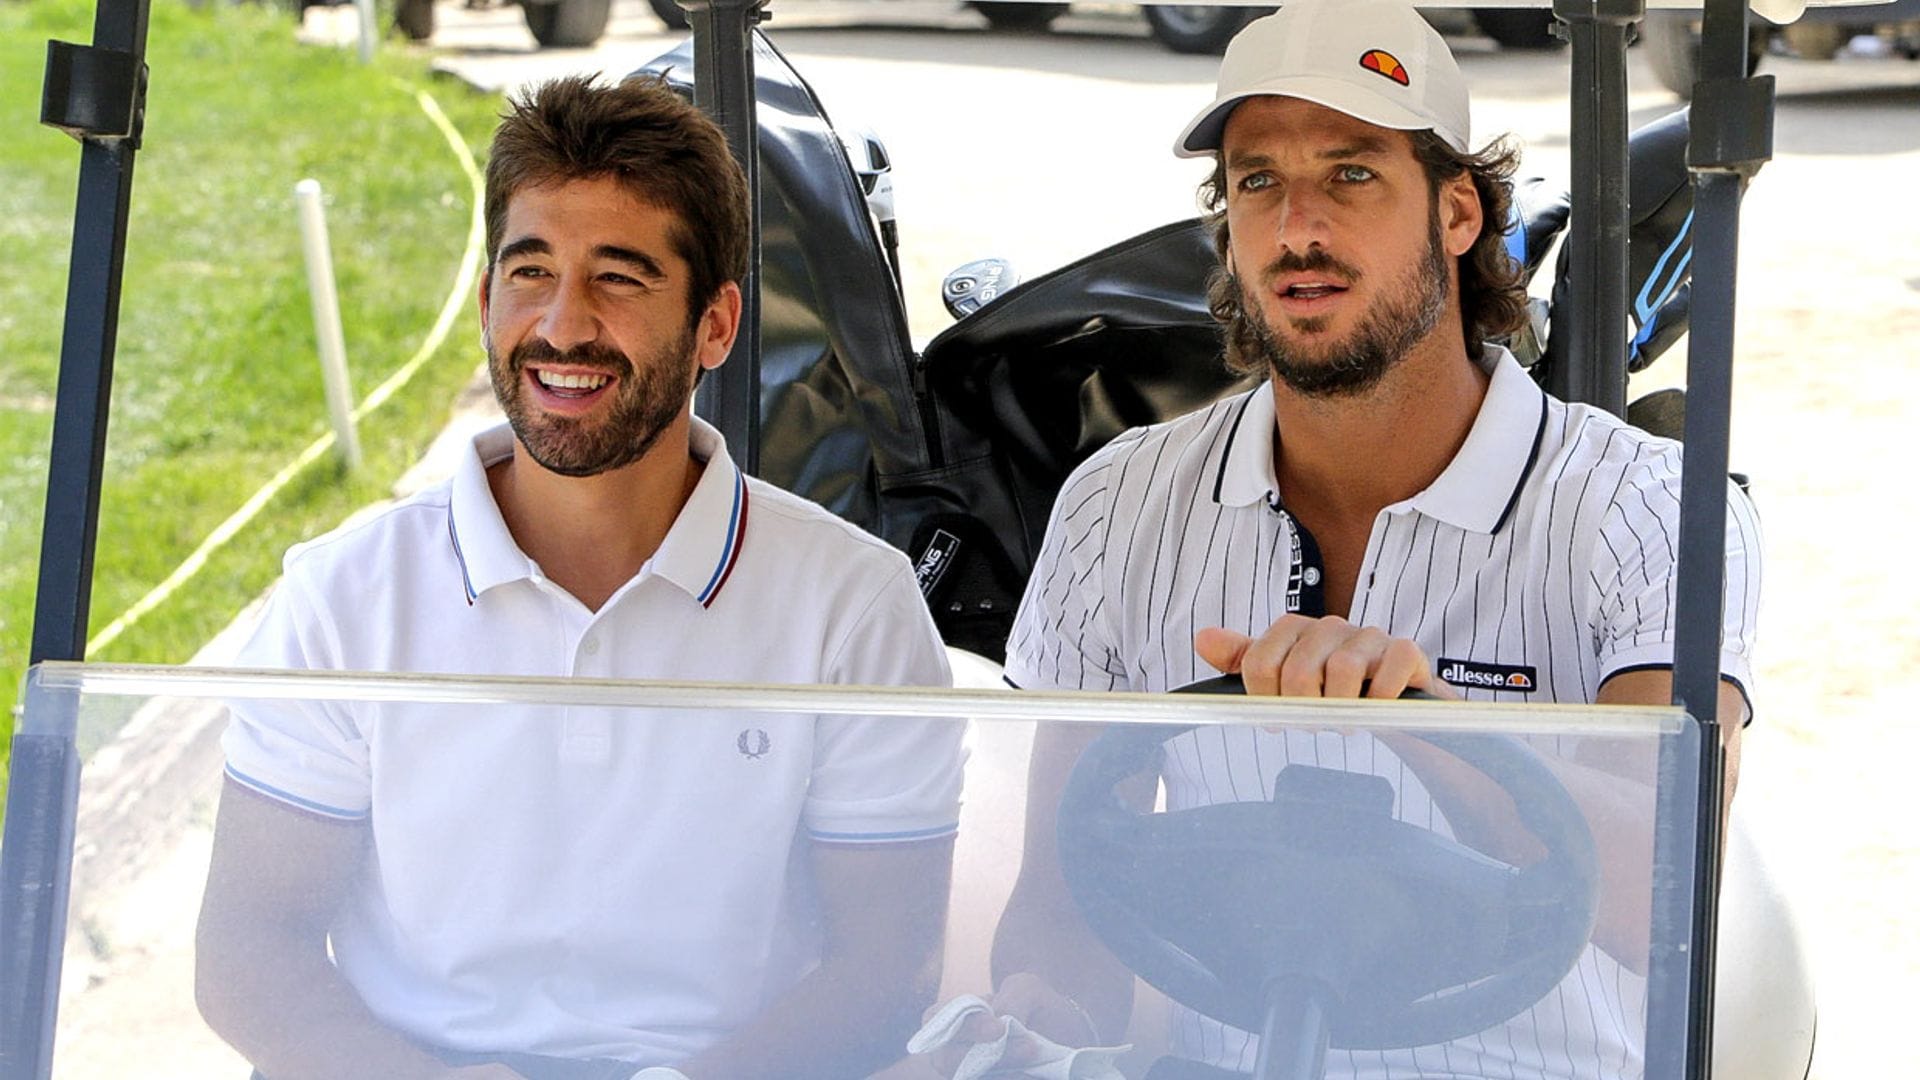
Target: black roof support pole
1592	365
729	398
96	93
1732	137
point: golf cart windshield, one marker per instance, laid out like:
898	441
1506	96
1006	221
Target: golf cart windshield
1336	869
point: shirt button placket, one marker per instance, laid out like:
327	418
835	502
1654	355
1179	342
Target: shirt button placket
588	733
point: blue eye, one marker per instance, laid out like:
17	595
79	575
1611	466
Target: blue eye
1354	174
1255	182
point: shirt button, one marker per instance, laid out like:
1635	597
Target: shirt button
1311	576
591	646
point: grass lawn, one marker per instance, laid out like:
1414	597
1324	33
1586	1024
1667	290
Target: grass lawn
216	385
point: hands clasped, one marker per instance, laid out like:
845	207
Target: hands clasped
970	1038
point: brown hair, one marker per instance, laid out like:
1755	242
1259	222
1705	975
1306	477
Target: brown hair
1493	296
645	135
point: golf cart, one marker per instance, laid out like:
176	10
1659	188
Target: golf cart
1681	824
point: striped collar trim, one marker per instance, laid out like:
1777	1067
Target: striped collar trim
478	535
466	578
699	554
730	552
703	548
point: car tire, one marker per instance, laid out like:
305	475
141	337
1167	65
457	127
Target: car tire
1024	18
670	13
1199	29
1815	41
567	24
1672	43
1517	28
414	18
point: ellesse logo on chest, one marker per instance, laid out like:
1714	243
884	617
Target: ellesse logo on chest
1473	675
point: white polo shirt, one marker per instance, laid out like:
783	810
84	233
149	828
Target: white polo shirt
1538	564
595	882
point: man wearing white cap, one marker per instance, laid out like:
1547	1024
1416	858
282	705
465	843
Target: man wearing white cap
1399	507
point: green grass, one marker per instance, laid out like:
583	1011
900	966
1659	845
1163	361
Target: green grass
216	386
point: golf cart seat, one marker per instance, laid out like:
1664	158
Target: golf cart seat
1764	1015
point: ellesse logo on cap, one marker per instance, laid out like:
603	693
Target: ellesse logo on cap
1473	675
1382	62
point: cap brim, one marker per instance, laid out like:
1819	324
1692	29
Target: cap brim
1202	136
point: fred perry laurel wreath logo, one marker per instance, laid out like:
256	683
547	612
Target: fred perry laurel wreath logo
753	744
1518	678
1382	62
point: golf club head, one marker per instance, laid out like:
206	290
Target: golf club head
976	284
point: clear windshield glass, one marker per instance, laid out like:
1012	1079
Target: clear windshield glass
568	878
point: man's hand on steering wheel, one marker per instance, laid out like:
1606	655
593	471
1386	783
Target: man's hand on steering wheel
1330	657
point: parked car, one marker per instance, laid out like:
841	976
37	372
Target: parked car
1671	39
561	24
1182	28
1190	29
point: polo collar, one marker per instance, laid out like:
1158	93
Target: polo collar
1479	487
1476	491
485	549
1246	470
703	545
698	553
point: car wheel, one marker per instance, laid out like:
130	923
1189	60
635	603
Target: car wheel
1020	17
1814	41
670	13
414	18
1672	42
567	24
1199	29
1517	28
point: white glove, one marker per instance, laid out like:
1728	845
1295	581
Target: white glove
1049	1060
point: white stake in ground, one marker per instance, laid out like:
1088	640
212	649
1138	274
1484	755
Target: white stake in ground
366	18
326	320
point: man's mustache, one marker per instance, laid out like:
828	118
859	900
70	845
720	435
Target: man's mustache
592	355
1315	260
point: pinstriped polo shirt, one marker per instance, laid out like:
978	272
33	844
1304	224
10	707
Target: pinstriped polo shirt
595	882
1538	564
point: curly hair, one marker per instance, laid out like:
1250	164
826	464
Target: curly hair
1493	296
662	149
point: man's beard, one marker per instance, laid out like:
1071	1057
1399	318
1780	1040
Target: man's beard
1403	315
650	395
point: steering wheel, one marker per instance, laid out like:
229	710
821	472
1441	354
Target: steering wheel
1405	937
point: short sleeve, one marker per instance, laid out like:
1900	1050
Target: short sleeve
309	755
1637	565
1060	638
887	779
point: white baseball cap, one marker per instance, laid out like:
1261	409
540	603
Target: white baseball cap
1375	60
